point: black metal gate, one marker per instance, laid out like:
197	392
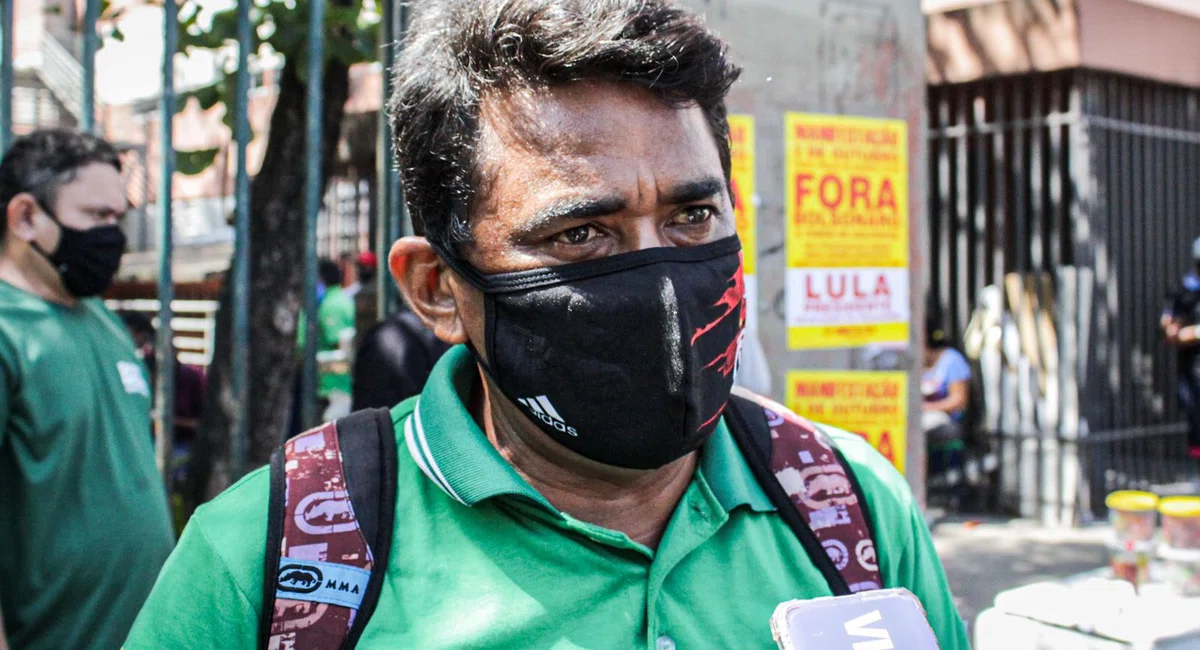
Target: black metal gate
1081	185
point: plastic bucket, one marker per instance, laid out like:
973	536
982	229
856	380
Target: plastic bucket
1181	522
1133	516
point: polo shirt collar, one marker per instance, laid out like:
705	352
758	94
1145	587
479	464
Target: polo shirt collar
453	452
449	446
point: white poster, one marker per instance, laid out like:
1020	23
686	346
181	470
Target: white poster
832	307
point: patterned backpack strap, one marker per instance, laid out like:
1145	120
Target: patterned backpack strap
813	488
318	578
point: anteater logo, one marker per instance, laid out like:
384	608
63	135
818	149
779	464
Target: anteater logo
299	579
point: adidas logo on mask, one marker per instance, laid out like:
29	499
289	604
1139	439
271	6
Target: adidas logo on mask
541	408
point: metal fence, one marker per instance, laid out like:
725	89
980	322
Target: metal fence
1081	185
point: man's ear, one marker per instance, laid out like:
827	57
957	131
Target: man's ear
19	217
429	287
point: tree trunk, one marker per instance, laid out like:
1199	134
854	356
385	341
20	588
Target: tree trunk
277	223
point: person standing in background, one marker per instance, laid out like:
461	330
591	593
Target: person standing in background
84	524
358	271
393	360
335	318
1180	323
366	298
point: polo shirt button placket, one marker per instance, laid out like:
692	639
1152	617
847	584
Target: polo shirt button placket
666	643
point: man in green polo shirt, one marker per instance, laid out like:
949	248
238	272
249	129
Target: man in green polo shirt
84	526
566	478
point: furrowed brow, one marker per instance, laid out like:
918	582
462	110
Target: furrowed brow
694	190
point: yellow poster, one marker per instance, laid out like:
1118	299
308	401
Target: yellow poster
871	404
846	208
741	140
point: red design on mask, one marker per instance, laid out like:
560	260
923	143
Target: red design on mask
727	360
733	298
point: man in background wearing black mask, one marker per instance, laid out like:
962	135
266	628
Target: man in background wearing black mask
565	479
84	526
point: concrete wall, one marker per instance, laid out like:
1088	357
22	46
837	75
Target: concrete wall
853	57
1002	38
1013	37
1141	40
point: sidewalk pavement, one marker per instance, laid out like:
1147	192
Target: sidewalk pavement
984	557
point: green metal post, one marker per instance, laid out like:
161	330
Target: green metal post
384	162
164	393
396	205
91	43
312	205
241	255
6	73
392	218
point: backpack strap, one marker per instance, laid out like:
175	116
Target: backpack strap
813	489
330	518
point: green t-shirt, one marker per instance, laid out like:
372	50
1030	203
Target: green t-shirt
335	313
481	560
84	526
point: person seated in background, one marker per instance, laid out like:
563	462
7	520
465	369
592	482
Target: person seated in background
945	389
189	380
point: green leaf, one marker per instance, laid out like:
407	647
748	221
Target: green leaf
117	34
205	96
191	163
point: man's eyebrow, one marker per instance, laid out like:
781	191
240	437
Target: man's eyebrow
99	208
694	190
589	208
103	211
576	209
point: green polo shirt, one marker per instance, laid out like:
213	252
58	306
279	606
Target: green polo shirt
481	560
84	525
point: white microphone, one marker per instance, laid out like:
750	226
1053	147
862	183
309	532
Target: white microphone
887	619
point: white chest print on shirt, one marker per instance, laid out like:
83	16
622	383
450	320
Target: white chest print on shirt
133	379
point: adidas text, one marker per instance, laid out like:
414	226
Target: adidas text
541	408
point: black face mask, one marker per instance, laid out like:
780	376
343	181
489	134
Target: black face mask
86	260
627	360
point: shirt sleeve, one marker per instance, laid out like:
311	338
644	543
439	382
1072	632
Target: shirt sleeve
195	604
907	555
922	573
957	369
208	594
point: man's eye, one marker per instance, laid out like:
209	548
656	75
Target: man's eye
696	215
576	236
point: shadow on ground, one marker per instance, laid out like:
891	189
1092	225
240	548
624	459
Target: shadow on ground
985	557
